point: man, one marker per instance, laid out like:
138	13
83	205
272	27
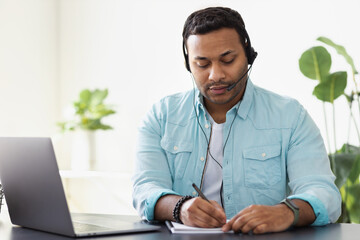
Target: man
256	155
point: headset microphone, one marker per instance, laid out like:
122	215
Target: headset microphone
234	84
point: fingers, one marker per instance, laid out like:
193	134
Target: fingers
229	225
262	228
216	204
200	213
219	214
244	222
209	214
259	219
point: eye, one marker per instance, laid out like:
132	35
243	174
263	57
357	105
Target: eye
228	61
202	64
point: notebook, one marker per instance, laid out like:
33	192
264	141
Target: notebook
35	196
178	228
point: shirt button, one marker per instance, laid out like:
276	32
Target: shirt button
206	125
194	193
202	159
263	154
175	148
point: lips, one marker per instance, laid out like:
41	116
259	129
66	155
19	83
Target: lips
218	89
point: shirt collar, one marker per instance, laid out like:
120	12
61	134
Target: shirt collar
200	106
246	100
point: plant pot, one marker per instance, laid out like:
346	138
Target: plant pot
83	151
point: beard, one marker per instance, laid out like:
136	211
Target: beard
228	96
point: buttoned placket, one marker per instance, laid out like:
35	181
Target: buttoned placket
208	131
227	169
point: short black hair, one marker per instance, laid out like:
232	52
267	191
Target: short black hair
214	18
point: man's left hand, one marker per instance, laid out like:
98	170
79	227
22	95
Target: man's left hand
261	219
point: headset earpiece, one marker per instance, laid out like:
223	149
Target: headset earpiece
251	55
187	65
250	52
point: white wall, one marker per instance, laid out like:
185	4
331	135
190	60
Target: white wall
50	50
134	49
29	79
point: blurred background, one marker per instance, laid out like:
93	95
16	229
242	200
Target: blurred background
50	50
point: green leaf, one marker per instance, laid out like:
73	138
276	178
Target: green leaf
332	88
353	203
340	50
343	165
105	127
66	126
347	171
315	63
355	170
344	217
348	148
85	96
98	97
102	113
95	124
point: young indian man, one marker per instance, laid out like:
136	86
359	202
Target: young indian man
257	156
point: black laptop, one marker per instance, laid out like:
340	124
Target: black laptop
35	196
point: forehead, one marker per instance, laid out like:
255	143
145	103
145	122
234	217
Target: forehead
213	43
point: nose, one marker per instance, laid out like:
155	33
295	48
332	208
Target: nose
216	73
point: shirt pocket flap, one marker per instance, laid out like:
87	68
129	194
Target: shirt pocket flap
175	147
262	153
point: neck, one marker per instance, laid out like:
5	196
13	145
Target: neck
218	111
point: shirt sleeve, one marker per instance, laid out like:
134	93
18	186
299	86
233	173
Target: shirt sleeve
152	178
309	173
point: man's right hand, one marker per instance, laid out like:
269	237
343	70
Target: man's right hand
198	212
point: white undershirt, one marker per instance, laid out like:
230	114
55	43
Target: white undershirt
213	172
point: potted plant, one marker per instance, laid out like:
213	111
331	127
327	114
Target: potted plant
88	115
315	63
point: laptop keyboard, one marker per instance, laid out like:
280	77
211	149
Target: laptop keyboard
84	227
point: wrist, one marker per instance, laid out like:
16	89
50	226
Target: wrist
293	207
177	208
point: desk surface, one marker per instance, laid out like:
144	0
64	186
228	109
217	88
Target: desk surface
330	232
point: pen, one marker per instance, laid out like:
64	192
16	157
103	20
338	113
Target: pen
199	192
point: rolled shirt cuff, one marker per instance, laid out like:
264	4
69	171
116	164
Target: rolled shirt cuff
151	201
321	214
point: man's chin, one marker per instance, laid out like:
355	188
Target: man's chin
219	100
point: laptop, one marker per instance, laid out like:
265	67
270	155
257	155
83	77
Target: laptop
35	196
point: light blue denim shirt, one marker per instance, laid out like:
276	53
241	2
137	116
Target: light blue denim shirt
274	151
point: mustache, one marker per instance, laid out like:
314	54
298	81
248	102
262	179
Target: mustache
218	84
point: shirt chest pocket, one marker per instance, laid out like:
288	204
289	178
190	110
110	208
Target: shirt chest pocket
262	166
178	154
